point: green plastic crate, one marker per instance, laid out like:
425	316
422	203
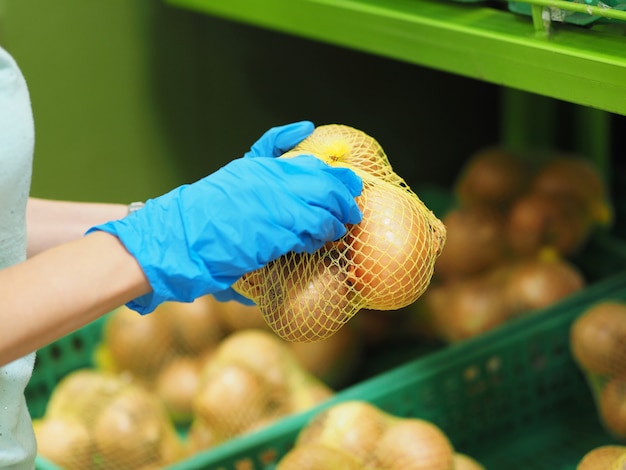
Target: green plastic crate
512	398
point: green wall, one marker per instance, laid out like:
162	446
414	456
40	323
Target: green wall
133	97
98	136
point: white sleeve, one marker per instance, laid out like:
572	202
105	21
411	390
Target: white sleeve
17	440
16	156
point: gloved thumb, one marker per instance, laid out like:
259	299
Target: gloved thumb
280	139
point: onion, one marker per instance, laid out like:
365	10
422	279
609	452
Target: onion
536	221
541	281
231	397
303	297
475	242
64	441
414	444
394	248
598	339
132	429
127	337
317	457
493	177
469	307
576	177
352	426
340	145
176	385
601	457
195	326
465	462
612	406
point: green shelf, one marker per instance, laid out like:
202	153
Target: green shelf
585	66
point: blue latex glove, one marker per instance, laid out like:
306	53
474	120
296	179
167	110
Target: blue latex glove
273	143
199	239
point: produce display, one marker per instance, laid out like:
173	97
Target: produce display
100	420
355	434
191	376
512	232
383	263
176	382
598	344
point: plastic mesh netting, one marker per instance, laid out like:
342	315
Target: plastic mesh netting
383	263
356	434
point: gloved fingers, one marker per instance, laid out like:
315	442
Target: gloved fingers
230	294
325	228
280	139
350	211
333	190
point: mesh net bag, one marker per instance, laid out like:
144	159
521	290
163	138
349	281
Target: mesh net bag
362	436
178	335
598	345
383	263
250	381
98	420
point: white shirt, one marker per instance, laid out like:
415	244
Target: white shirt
17	440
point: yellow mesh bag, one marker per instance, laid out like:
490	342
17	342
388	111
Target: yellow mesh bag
383	263
250	381
598	344
363	436
98	420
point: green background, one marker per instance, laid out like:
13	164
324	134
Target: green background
132	98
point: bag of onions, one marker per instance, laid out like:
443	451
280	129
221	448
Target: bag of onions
99	419
357	435
383	263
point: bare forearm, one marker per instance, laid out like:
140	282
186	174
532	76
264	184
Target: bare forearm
51	222
63	289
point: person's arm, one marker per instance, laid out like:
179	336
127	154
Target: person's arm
198	239
63	289
50	222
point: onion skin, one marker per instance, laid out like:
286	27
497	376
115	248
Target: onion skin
317	457
303	297
541	281
598	339
576	177
394	248
612	406
352	426
601	457
470	307
537	221
414	444
475	242
493	177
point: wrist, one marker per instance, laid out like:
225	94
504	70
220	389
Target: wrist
135	206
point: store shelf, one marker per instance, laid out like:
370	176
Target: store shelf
585	66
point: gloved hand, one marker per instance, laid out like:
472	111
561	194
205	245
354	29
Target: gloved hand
272	143
200	238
